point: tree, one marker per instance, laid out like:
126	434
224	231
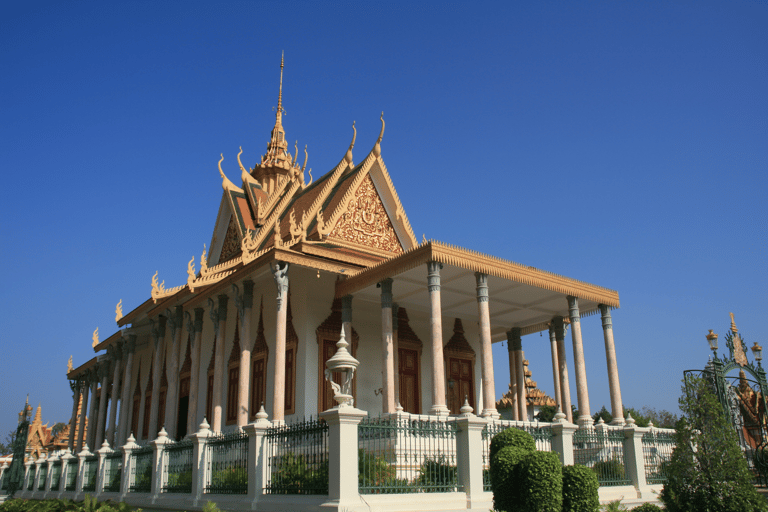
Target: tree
57	428
6	448
603	413
707	470
546	413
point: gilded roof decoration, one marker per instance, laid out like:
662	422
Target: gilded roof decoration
159	291
739	354
69	365
231	247
366	222
95	336
119	311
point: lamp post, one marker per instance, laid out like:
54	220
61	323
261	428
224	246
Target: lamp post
712	339
758	351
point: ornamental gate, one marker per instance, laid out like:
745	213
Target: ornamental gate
741	387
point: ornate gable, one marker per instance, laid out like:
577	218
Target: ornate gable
365	221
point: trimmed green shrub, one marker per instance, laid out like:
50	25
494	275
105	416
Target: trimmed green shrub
541	482
437	475
295	474
647	507
506	478
580	487
512	437
611	469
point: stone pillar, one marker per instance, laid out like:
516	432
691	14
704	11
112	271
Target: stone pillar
565	386
196	329
81	470
101	468
129	347
343	457
483	311
516	344
93	417
634	462
65	469
562	438
199	463
77	390
175	319
395	350
103	400
387	348
85	388
257	457
244	307
512	376
125	477
469	457
280	272
617	408
438	365
158	468
158	334
116	351
555	366
578	362
219	318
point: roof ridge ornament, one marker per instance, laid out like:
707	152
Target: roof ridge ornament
377	146
191	274
119	311
348	156
95	337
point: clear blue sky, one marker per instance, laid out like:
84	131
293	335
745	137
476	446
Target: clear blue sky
619	143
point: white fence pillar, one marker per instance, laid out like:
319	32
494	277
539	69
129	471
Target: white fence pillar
101	468
469	457
28	468
65	470
562	438
38	466
125	478
342	464
49	475
158	475
634	463
257	457
81	470
199	462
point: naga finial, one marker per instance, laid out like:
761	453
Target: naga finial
203	262
348	156
191	274
95	337
311	179
243	173
377	146
220	170
119	311
69	365
306	156
296	153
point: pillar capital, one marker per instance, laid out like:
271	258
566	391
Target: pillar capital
129	344
573	308
514	339
482	286
560	327
346	309
280	273
386	292
158	328
433	275
605	313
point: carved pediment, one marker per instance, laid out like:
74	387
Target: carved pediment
365	221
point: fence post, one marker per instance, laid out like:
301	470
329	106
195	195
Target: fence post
469	455
101	468
257	460
28	466
634	462
199	462
342	457
562	438
125	478
49	475
158	446
65	470
81	469
38	465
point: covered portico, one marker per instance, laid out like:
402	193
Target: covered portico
509	300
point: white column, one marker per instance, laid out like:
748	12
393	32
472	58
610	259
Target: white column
565	386
103	400
117	361
512	376
483	311
158	333
77	390
129	347
516	342
280	273
438	365
617	408
220	327
578	362
196	329
395	350
555	366
387	348
175	319
244	306
93	418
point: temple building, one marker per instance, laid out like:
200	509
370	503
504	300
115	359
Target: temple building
292	262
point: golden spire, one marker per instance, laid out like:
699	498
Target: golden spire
277	155
280	94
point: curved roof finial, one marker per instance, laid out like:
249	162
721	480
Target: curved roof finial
348	156
280	94
377	146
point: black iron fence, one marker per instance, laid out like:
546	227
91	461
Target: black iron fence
43	476
113	471
71	483
404	455
297	458
90	465
657	451
227	456
178	467
141	470
55	475
602	449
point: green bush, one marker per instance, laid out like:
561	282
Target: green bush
373	470
512	437
229	479
183	479
611	469
506	478
437	475
88	505
541	482
647	507
293	474
580	487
